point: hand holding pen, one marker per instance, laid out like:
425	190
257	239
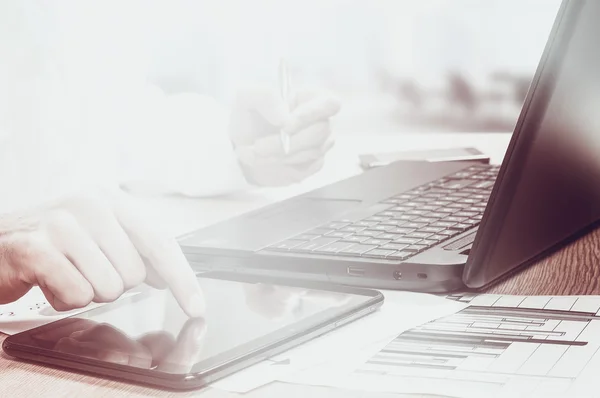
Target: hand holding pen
287	96
282	136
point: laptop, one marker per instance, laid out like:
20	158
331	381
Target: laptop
437	227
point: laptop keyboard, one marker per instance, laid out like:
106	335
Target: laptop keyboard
415	220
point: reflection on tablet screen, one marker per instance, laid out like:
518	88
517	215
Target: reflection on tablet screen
151	331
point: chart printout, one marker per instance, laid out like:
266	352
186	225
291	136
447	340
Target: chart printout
497	346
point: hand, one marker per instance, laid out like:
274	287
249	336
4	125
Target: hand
90	248
257	120
158	350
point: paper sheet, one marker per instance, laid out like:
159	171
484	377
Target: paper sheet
401	311
32	310
499	346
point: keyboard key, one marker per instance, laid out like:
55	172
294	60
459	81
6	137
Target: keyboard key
428	242
320	231
484	184
475	209
447	210
365	223
286	245
458	205
472	222
412	204
457	184
448	232
334	247
401	230
378	253
356	238
395	223
315	244
468	200
404	196
352	228
417	212
406	217
414	225
356	249
461	227
433	230
440	203
335	225
453	219
483	198
370	233
438	238
389	236
377	218
472	191
434	195
389	213
480	167
400	255
461	174
436	215
407	241
478	217
456	195
401	209
415	248
449	198
438	190
394	246
382	227
443	224
339	234
467	214
377	242
306	237
422	235
426	220
429	207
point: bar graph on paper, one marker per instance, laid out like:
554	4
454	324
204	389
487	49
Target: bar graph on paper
503	345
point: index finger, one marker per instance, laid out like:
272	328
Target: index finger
164	255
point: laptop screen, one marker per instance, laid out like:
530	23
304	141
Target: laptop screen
549	186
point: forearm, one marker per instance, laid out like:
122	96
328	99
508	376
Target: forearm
182	147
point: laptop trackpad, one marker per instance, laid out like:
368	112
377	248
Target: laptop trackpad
274	223
306	210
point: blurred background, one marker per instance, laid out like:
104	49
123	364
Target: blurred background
397	65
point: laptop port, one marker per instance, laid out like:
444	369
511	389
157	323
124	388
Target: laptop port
356	271
397	275
422	276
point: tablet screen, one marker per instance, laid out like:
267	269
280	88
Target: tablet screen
150	330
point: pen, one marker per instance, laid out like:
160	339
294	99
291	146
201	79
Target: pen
287	96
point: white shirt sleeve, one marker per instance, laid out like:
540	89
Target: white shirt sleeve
179	144
77	111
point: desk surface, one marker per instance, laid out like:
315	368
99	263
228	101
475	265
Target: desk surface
572	270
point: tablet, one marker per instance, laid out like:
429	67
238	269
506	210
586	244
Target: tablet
146	338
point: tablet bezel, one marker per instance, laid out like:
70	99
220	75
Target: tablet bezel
23	346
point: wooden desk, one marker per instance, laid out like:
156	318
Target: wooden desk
571	270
